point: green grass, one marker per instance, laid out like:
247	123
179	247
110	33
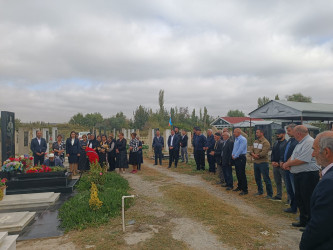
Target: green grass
76	213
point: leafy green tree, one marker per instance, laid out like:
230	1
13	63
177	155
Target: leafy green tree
262	101
277	97
141	116
77	119
235	113
298	97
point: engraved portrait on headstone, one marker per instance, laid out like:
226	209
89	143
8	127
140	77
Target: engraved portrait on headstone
8	134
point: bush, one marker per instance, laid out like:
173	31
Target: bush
76	213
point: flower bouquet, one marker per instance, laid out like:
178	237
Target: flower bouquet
2	188
12	164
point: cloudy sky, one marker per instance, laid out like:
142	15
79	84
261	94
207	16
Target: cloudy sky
58	58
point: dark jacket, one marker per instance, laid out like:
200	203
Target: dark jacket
57	162
210	143
183	141
73	149
175	143
158	143
218	146
94	144
112	148
278	150
319	231
200	142
227	153
36	148
291	148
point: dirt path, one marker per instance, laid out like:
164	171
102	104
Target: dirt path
285	236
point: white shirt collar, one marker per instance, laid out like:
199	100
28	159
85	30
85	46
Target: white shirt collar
326	169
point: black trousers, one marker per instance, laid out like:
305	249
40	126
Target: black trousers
240	164
211	162
305	183
38	160
200	159
112	162
173	156
158	155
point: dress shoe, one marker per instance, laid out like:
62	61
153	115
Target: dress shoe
298	224
302	229
243	193
236	190
276	198
224	185
268	197
258	193
228	188
289	210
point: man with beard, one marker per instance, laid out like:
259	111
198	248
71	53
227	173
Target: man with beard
277	155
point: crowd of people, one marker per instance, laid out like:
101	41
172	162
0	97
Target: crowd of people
111	153
297	162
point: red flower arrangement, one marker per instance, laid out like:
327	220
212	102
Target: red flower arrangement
42	169
92	155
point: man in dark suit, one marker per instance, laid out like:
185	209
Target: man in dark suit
173	144
318	233
209	148
158	145
227	147
183	144
38	147
217	153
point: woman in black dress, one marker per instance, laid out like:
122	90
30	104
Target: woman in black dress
140	153
73	152
83	160
112	153
102	150
121	154
133	155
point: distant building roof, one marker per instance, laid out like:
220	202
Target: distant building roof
277	109
221	122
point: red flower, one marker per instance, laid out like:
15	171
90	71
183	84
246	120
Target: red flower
31	158
11	158
92	155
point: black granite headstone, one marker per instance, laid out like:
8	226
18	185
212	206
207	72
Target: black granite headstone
7	134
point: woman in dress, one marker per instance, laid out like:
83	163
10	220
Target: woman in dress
133	155
112	153
73	152
59	148
83	160
140	154
102	150
121	154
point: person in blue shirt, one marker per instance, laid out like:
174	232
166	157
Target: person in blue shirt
199	148
53	162
239	156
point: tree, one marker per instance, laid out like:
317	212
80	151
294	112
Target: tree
262	101
161	101
140	116
235	113
77	119
277	97
298	97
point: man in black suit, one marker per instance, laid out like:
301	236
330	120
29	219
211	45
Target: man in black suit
183	144
217	153
228	145
173	144
318	233
158	145
38	147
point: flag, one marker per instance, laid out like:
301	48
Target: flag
170	122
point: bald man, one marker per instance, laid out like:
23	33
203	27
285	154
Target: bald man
319	231
306	173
